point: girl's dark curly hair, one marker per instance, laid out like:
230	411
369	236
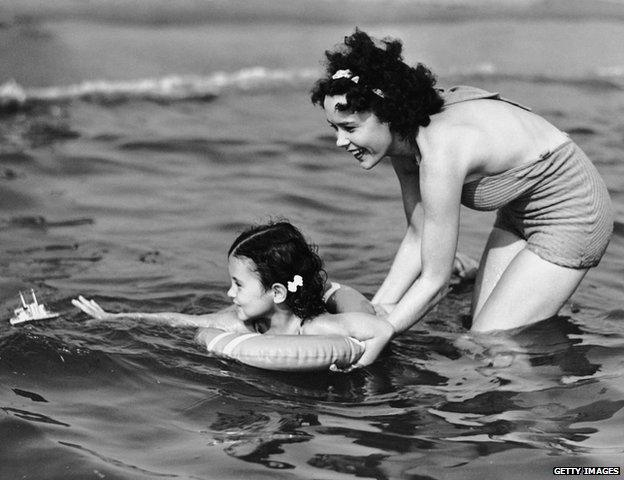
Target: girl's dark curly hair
279	252
409	93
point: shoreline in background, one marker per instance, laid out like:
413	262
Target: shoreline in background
163	12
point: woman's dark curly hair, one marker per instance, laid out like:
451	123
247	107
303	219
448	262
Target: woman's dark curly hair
409	93
279	252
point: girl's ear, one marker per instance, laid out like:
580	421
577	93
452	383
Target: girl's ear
279	293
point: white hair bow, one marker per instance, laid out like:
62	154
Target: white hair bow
297	282
349	74
345	74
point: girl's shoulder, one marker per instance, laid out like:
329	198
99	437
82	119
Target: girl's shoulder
337	323
323	324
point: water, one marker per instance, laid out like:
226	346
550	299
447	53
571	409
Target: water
130	156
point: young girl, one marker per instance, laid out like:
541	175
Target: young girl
278	286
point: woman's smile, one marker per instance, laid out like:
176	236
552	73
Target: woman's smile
360	133
358	153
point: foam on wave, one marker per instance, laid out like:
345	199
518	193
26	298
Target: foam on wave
169	88
173	88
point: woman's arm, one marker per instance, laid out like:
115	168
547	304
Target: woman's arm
406	265
441	182
374	332
404	270
225	319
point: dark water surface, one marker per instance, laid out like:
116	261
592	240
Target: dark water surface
130	192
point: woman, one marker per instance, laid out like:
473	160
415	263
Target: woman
472	147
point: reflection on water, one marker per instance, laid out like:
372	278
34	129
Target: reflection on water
437	400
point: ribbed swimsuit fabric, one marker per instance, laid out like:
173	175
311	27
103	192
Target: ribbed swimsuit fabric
559	203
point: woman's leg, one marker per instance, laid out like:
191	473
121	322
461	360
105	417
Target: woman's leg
530	289
501	248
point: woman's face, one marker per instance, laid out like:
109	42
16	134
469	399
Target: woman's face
360	133
246	290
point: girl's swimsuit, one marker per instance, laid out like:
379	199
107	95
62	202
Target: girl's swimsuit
333	288
559	203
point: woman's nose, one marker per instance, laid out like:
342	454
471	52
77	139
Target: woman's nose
341	139
231	292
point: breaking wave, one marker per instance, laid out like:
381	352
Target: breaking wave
172	88
169	88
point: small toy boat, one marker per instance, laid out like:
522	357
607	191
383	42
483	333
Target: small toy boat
31	311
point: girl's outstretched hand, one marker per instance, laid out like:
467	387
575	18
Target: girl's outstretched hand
346	369
90	307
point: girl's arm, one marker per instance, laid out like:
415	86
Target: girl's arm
374	332
225	319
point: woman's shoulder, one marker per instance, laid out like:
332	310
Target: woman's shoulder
450	135
476	116
482	134
460	116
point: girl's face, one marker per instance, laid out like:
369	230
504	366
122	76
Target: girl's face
360	133
247	292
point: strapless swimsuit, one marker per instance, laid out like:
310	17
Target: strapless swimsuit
559	203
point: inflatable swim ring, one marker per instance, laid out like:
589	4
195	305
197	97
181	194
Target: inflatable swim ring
282	352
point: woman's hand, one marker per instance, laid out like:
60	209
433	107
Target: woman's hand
91	308
371	330
382	310
464	267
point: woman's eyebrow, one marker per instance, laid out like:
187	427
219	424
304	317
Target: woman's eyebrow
342	124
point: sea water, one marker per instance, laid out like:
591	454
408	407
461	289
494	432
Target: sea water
134	146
